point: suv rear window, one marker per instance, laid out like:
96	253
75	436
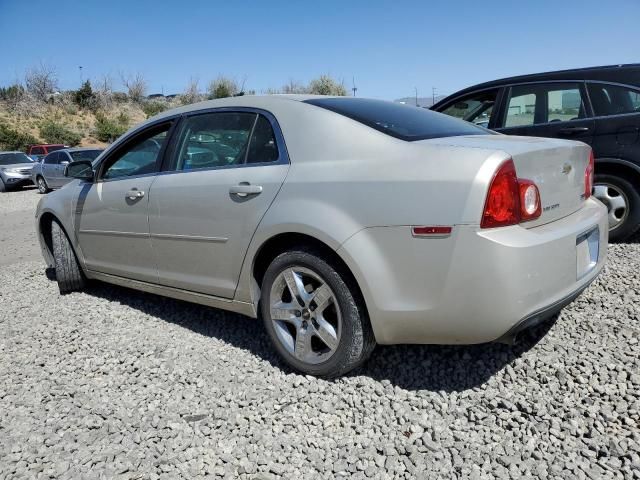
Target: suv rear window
398	120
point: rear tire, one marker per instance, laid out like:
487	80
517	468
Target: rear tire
302	316
41	183
622	200
68	272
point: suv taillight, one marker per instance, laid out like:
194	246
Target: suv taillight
510	200
588	176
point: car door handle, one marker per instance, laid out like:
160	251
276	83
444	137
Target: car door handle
572	130
134	194
244	189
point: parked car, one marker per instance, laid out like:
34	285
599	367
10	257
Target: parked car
38	152
15	170
599	106
49	173
342	221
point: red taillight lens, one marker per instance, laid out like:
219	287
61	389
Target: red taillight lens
510	200
588	176
502	206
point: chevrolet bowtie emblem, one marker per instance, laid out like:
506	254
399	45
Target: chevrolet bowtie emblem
566	168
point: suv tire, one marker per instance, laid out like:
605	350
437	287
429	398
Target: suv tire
607	188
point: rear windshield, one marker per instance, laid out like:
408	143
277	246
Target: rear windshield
11	158
53	148
90	155
401	121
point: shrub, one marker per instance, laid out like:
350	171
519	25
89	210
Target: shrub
325	85
153	108
54	132
107	130
222	87
11	139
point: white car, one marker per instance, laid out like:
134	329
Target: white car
342	222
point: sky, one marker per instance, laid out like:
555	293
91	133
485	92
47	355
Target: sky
388	48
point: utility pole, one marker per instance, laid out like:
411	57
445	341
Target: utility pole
354	88
433	96
416	89
80	68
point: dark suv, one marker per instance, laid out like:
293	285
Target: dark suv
599	106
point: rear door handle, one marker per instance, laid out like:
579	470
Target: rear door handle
244	189
135	194
572	130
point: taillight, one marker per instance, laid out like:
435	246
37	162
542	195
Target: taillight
588	176
510	200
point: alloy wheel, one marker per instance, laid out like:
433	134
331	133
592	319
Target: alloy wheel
42	187
305	314
616	202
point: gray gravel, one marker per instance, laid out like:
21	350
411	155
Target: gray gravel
113	383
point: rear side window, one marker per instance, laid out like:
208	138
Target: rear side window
37	150
613	99
263	147
53	148
214	140
400	121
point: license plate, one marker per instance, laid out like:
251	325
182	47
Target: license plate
587	251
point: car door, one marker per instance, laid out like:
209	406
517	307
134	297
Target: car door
63	160
49	164
555	110
111	214
226	170
617	112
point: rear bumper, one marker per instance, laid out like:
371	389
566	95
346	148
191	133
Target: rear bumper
476	285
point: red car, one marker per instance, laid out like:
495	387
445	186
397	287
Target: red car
38	152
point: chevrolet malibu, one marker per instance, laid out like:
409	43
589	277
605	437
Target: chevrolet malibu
342	222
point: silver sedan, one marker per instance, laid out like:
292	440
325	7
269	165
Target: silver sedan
48	173
343	223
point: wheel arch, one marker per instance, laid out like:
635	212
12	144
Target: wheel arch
619	167
278	243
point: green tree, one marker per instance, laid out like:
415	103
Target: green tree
84	96
107	129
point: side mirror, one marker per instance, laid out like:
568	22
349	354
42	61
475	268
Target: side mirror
82	169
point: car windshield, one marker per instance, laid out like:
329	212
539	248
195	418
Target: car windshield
398	120
11	158
90	155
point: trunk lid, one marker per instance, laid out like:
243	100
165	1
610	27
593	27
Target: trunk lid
556	166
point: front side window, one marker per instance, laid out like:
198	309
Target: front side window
51	159
476	108
613	99
214	140
138	158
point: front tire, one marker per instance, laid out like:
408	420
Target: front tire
68	272
42	185
314	315
622	200
3	187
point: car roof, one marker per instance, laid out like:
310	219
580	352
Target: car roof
79	149
625	73
11	151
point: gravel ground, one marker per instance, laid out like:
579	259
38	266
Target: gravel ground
113	383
